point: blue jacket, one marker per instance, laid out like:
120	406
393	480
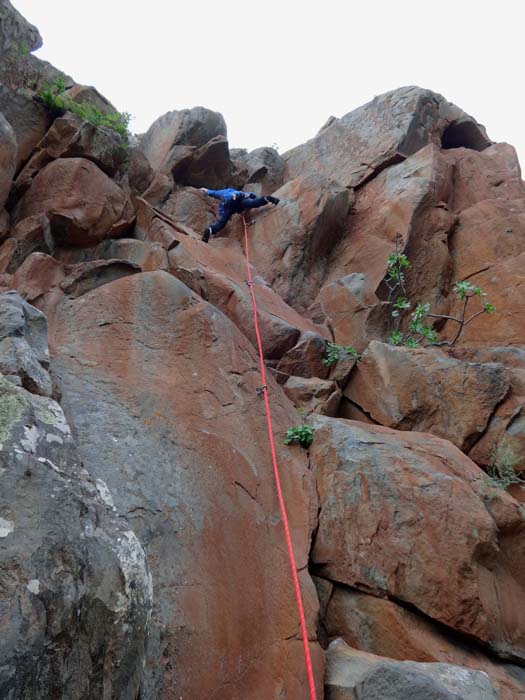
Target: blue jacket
229	196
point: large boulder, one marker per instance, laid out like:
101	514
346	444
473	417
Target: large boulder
7	158
187	127
190	207
71	137
491	174
506	429
428	391
23	344
262	170
76	590
354	675
384	628
191	147
313	395
391	127
160	387
16	31
395	506
83	206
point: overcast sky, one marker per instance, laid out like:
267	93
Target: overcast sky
277	70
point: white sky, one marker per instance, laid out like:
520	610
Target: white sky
277	70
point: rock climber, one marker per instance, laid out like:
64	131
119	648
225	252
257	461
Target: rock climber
233	202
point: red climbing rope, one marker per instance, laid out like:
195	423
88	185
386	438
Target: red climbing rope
264	392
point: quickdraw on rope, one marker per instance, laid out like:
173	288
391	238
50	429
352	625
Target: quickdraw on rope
263	391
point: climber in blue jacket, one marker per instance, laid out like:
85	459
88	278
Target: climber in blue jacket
233	202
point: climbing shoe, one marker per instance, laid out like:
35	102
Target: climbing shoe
206	235
271	199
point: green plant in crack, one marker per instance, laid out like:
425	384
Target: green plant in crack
334	352
302	434
502	466
420	331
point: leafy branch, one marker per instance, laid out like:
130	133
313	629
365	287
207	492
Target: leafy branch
420	333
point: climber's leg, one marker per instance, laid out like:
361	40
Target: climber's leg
217	225
256	202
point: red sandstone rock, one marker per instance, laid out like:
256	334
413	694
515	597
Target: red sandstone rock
305	359
218	274
172	390
88	276
71	137
490	174
381	627
37	275
82	204
313	395
409	516
393	126
427	391
291	242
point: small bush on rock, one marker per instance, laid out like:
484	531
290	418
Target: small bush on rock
419	333
335	352
54	98
303	434
502	467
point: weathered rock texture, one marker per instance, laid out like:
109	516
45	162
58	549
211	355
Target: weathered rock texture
171	384
418	556
353	675
395	506
427	391
23	344
75	585
15	30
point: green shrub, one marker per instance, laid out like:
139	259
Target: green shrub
54	98
335	352
303	434
419	333
502	467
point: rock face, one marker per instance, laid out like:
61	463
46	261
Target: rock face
83	206
70	137
23	344
263	170
7	158
414	501
75	582
190	146
384	628
418	556
291	243
390	128
15	30
427	391
29	121
185	459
